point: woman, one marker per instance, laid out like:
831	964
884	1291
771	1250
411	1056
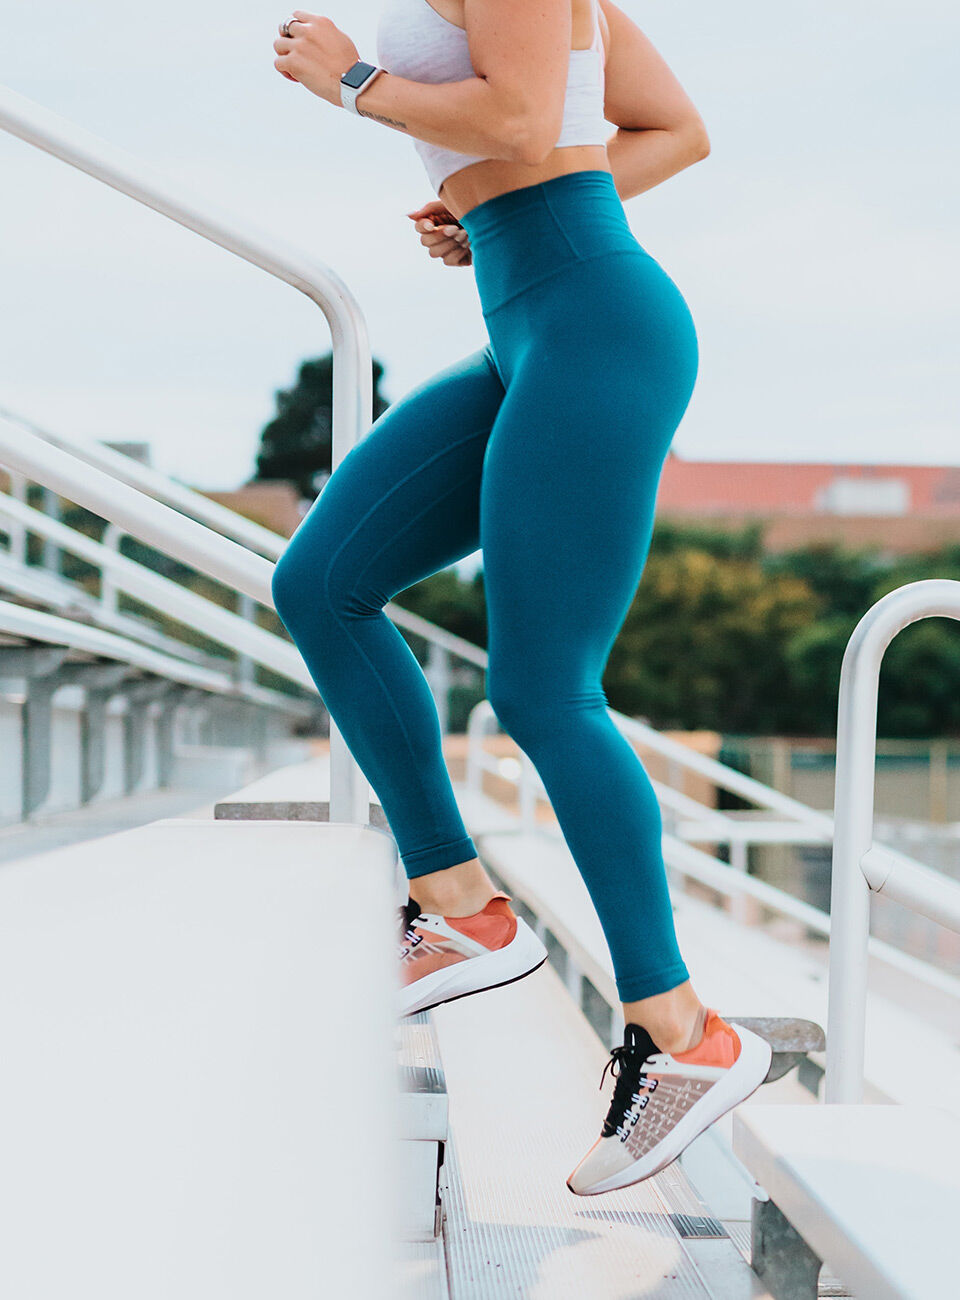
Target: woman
544	448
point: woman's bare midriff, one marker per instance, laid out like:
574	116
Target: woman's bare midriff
477	182
480	181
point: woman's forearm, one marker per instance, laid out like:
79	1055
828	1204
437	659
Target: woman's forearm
469	116
640	159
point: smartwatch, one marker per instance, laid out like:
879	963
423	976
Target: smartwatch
356	79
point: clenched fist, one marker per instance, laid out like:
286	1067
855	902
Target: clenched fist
316	53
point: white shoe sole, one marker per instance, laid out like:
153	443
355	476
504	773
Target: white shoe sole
742	1080
522	956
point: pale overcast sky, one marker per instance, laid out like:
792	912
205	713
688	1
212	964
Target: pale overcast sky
817	245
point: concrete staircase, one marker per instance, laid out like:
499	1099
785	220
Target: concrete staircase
198	1092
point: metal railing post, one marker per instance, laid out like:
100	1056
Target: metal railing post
38	666
352	364
479	717
50	555
853	821
111	539
17	533
440	680
247	609
743	908
849	891
528	793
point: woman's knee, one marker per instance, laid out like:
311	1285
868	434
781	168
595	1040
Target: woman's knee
538	703
316	580
518	702
289	585
301	584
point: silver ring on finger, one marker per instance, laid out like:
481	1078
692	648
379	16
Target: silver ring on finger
285	28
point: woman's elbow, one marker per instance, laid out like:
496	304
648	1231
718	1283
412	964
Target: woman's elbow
531	139
696	141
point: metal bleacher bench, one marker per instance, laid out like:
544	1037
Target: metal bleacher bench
423	1127
180	1108
290	794
542	875
551	893
299	793
872	1191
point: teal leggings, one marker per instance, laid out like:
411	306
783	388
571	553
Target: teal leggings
544	449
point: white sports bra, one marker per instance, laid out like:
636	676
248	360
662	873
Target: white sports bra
414	41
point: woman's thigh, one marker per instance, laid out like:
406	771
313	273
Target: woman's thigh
574	461
404	502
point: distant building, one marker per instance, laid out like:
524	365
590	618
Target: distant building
135	450
897	508
276	505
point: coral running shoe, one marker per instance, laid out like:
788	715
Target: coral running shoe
662	1101
447	957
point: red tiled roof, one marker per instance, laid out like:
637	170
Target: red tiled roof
779	487
911	534
275	504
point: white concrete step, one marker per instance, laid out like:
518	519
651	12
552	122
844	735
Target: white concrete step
422	1270
196	1093
542	874
523	1069
873	1190
737	968
297	792
420	1177
424	1126
424	1111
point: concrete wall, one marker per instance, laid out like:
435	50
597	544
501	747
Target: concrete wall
66	754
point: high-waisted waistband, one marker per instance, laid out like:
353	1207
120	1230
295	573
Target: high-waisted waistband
524	236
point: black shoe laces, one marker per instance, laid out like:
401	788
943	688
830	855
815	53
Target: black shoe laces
626	1067
406	917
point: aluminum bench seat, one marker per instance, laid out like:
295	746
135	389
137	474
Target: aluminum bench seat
540	870
874	1191
185	1110
297	792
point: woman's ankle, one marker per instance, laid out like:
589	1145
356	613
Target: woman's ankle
675	1020
460	890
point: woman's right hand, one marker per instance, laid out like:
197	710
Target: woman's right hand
442	234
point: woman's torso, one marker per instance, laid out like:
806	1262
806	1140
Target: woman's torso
425	40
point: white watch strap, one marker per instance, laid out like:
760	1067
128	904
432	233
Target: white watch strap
350	94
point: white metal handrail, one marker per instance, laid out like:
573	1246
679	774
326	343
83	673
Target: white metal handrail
819	824
50	629
37	587
352	376
43	628
859	866
227	522
221	558
162	488
170	598
729	880
812	825
727	778
696	865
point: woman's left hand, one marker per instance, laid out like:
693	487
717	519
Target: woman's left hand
316	53
442	234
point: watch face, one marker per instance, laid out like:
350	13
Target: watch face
357	75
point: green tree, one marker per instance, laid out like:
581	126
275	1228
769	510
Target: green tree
744	542
812	659
704	641
919	679
920	676
456	604
296	444
844	579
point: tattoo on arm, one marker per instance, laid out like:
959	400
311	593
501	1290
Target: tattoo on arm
390	121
